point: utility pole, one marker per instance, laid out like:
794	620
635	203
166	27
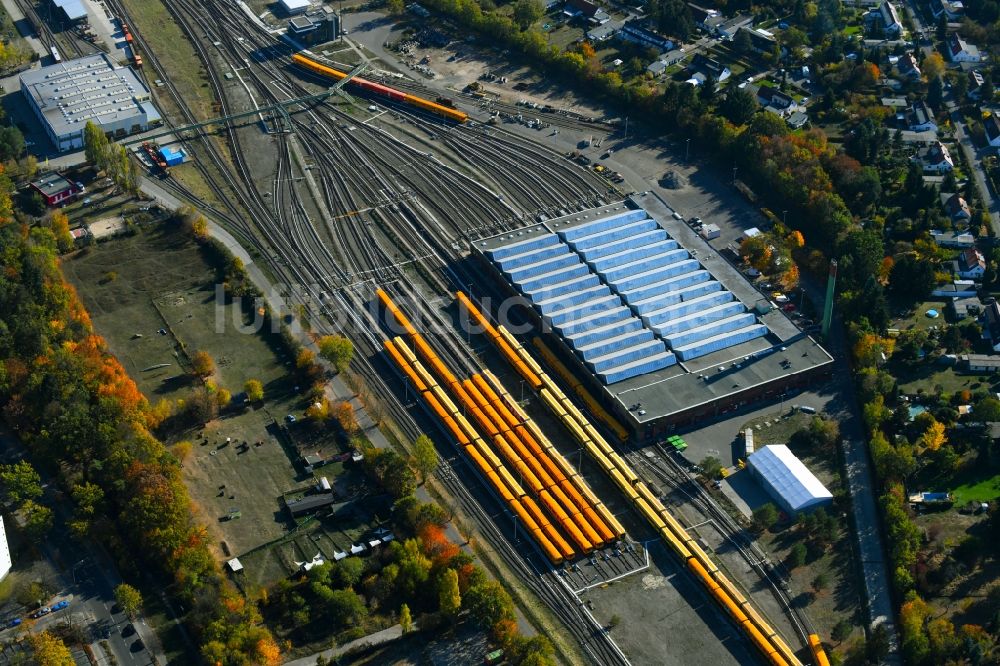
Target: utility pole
687	150
735	168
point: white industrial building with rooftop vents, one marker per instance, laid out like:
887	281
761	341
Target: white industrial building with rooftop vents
67	95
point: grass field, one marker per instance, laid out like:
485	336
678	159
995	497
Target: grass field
927	377
164	283
977	490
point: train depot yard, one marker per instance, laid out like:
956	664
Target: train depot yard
550	328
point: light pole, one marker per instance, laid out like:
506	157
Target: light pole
687	149
784	218
735	168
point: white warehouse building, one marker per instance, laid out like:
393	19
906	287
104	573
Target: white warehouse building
66	95
787	480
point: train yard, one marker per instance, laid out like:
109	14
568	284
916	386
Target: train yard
365	210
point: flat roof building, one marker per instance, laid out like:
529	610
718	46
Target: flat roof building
66	95
649	315
55	188
787	480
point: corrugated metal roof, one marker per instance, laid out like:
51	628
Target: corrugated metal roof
788	476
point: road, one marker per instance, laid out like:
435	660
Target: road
972	156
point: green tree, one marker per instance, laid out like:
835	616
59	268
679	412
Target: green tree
711	467
425	457
449	598
395	7
526	12
985	411
337	350
821	582
347	572
95	145
911	279
11	143
405	620
765	517
130	600
38	519
797	556
842	631
739	106
489	603
20	482
254	390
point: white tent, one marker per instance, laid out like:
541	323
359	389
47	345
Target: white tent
787	479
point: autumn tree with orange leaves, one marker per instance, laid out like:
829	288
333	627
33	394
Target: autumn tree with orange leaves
77	410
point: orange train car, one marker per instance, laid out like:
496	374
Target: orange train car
378	89
819	654
547	528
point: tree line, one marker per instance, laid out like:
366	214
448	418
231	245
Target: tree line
84	421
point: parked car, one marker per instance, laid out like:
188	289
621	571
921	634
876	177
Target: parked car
44	610
16	621
59	605
788	307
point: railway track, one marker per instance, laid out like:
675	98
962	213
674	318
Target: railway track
666	470
282	230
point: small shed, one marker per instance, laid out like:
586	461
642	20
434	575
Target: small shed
235	565
323	485
357	549
339	555
171	156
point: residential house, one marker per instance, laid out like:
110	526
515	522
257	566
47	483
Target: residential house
920	118
635	31
956	207
992	127
991	325
962	308
586	9
728	28
797	119
935	158
955	239
706	66
975	83
761	41
706	19
887	19
953	9
774	100
971	264
56	189
961	51
981	362
907	67
956	289
604	32
657	67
